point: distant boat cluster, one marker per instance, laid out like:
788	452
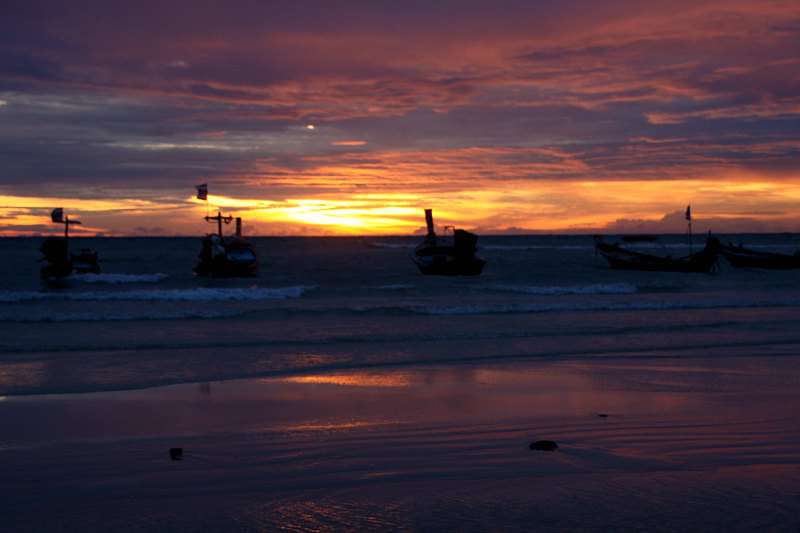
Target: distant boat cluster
454	254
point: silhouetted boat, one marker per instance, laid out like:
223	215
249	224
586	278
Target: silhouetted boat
742	257
226	257
621	258
450	256
59	262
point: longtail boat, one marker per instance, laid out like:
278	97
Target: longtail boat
59	262
622	258
226	257
448	256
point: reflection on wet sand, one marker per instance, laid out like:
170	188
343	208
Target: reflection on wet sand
22	374
326	427
440	446
362	379
423	395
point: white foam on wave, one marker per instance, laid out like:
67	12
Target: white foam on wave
116	316
479	309
596	288
172	295
117	279
144	313
781	246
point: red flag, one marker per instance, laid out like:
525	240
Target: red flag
202	191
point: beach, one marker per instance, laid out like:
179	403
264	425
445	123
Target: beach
342	390
687	444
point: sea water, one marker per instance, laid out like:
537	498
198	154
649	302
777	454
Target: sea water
328	303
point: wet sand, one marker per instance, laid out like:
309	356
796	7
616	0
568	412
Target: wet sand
688	444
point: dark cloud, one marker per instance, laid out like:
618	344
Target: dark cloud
20	65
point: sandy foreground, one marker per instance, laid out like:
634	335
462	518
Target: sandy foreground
688	444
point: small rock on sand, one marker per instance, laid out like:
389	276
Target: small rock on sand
544	445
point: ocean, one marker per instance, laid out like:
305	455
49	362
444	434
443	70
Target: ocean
345	302
342	389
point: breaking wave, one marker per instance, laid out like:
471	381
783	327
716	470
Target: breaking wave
116	316
49	315
598	288
455	310
174	295
117	279
394	287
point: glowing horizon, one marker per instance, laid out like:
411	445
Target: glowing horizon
510	207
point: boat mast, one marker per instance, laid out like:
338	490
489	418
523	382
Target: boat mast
689	222
219	219
431	236
58	217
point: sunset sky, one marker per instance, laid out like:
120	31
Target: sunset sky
330	118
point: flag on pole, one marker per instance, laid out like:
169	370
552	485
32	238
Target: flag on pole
689	212
57	215
202	191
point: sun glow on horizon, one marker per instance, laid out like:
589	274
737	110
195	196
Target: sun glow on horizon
491	206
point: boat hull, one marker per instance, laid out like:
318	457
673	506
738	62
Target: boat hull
222	268
622	259
741	257
57	260
232	258
56	271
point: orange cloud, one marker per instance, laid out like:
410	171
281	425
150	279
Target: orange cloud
349	143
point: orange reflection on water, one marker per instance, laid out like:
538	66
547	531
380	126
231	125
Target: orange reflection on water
328	426
385	380
22	375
